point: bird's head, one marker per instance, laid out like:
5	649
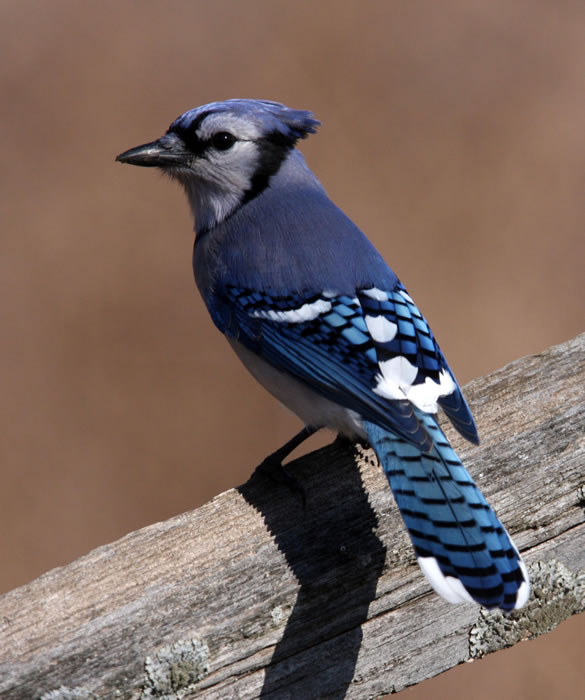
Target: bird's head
225	153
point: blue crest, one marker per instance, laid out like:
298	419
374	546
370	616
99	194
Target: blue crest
270	116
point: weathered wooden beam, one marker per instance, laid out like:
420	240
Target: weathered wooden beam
251	596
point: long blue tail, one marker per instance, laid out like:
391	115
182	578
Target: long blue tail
461	546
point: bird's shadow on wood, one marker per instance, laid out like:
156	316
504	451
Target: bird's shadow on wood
333	551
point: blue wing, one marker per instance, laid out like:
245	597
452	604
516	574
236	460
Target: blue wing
373	352
414	341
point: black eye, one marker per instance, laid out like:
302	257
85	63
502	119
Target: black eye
223	140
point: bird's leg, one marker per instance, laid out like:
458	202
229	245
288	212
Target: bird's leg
273	467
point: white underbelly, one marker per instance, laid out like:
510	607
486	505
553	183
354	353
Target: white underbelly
310	407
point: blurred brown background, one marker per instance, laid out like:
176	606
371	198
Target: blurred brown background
452	134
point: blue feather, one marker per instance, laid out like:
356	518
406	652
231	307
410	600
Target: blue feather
320	355
462	547
314	312
449	520
336	356
271	116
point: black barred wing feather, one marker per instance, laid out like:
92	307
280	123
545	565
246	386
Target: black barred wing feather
324	342
411	359
372	353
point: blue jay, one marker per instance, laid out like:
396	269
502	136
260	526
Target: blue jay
316	315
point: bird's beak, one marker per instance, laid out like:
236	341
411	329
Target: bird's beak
157	154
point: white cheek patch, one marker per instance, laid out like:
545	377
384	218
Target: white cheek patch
448	587
381	329
226	175
307	312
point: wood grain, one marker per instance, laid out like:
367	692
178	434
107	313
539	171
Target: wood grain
250	596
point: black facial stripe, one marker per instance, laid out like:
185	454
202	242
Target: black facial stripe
274	148
193	143
189	136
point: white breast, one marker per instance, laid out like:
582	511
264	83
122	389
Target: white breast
310	407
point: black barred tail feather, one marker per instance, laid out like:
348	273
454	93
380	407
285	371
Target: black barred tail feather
461	546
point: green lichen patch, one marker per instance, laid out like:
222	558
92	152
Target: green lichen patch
175	669
556	594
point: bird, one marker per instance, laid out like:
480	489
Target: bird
316	315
